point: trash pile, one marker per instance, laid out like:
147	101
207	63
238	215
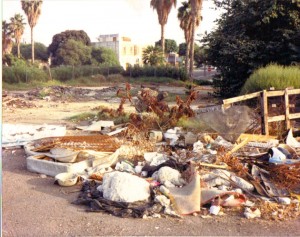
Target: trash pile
185	173
150	169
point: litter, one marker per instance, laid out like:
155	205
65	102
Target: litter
66	179
124	187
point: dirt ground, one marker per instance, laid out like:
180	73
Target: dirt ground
32	205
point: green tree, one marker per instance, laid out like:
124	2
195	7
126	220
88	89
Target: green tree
32	9
250	35
73	53
17	27
39	48
7	42
163	9
170	45
153	56
200	55
105	56
60	39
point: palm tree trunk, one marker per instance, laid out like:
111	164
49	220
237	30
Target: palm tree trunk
187	56
192	48
18	45
32	46
162	39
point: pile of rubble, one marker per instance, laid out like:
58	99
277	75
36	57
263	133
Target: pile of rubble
68	93
181	173
144	171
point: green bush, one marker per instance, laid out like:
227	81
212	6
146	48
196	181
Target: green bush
156	71
273	75
23	73
65	73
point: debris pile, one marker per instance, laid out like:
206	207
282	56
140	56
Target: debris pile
149	168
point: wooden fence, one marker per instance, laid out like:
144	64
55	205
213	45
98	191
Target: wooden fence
264	95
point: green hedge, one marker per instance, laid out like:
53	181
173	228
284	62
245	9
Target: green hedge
65	73
23	73
160	71
273	75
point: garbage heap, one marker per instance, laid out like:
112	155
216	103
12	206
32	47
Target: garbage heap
177	172
184	173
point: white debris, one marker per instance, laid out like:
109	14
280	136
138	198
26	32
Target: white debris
291	141
124	166
124	187
155	158
214	210
243	184
138	169
163	200
169	177
220	141
172	135
284	200
252	212
198	147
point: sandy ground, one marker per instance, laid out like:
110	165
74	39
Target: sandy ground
32	205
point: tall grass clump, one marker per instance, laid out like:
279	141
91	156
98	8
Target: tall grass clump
273	75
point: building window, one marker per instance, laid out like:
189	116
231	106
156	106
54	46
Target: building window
124	50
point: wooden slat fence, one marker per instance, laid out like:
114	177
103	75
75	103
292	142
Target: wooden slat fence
264	95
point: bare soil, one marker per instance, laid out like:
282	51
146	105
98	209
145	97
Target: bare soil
32	205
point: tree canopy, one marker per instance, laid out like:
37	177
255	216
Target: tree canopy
39	48
170	45
60	39
252	34
105	56
73	53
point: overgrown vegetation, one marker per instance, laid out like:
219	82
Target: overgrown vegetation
279	77
252	34
157	71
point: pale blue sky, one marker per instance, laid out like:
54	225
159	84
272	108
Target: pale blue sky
132	18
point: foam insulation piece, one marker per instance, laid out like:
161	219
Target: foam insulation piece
124	187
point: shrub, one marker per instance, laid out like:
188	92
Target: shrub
156	71
23	73
273	75
65	73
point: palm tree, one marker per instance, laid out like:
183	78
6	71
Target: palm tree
17	26
153	56
196	6
32	9
6	38
185	17
163	8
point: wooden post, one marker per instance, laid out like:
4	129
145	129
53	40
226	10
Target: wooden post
264	113
287	109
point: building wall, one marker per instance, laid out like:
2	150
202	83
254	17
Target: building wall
126	51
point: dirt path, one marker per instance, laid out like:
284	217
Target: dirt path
32	205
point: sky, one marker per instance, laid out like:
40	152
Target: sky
132	18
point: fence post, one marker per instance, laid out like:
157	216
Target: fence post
264	113
287	108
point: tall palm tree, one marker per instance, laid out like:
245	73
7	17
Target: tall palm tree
196	6
6	38
163	8
185	17
32	9
17	26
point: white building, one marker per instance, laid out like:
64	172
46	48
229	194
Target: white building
127	52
